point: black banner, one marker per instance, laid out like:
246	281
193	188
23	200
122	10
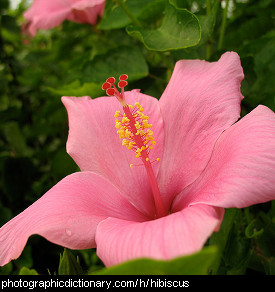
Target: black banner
46	283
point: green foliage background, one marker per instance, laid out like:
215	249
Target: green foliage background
144	39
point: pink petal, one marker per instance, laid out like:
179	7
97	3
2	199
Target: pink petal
67	214
242	167
172	236
86	11
201	100
94	144
82	4
46	14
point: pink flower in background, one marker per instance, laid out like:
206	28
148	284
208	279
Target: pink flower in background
46	14
194	159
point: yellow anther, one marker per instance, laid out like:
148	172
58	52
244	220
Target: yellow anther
121	132
137	125
127	133
118	124
141	132
150	132
131	125
139	106
142	116
125	120
130	145
117	114
138	150
146	125
125	142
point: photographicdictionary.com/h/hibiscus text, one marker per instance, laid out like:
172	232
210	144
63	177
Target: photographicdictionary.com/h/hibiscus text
32	284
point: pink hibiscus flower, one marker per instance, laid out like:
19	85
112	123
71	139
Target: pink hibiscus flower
194	160
46	14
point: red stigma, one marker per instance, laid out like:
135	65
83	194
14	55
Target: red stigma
112	90
123	77
111	80
122	84
106	85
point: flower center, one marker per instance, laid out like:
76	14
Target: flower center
134	129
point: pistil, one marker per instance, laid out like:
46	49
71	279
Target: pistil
135	131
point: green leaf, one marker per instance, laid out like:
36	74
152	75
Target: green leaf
16	139
262	49
7	269
4	4
220	238
114	17
123	60
180	29
27	271
208	22
68	264
25	260
77	89
237	251
6	214
17	178
195	264
251	231
269	265
62	164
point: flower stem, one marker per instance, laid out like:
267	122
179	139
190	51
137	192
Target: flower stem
223	27
128	12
